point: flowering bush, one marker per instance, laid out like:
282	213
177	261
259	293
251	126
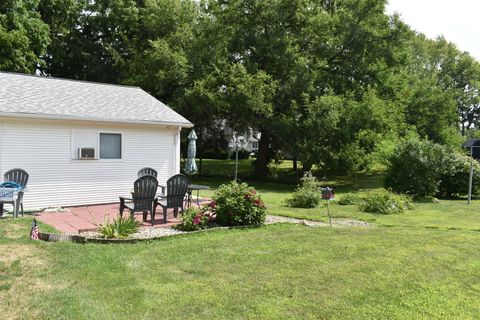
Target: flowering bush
236	204
307	195
196	219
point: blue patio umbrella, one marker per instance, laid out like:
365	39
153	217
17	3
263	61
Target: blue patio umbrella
191	166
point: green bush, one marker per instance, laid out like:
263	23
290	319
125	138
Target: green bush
307	195
121	227
423	169
195	219
237	204
455	176
413	168
242	154
349	199
385	202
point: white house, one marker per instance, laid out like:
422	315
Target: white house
251	137
46	122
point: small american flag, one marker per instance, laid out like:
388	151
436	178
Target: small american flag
34	233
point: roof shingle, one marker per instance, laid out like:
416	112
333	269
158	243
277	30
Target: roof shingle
69	99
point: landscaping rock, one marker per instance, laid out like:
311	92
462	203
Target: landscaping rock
154	233
337	223
143	233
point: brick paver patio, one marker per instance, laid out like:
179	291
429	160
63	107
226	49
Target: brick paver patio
87	218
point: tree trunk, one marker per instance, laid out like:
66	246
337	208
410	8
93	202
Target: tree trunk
295	166
306	167
261	164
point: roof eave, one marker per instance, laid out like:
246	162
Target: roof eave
93	119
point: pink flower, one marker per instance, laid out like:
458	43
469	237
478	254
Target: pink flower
246	196
258	202
197	219
213	204
253	191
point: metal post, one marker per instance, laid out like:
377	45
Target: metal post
236	161
470	179
328	211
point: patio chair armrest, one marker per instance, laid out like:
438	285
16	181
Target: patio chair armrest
123	199
162	188
160	198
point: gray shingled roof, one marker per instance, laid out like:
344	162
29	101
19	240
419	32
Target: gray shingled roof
26	95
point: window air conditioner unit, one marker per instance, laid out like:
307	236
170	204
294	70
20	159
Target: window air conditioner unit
86	153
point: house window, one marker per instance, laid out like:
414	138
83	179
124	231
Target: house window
254	145
110	146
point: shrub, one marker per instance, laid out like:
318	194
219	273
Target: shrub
121	227
413	168
424	169
242	154
195	219
236	204
455	175
385	202
307	195
349	199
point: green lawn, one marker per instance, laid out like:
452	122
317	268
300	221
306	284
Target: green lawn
225	169
423	264
447	214
274	272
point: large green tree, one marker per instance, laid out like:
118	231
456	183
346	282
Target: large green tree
458	74
91	40
438	88
24	37
331	82
302	50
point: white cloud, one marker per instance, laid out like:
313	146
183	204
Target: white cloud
456	20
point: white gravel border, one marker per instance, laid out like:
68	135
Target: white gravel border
143	233
151	233
336	223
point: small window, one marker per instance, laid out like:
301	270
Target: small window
110	146
254	145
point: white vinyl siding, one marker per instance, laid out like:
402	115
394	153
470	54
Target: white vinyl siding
83	139
44	149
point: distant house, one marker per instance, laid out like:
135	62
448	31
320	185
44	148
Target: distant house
251	137
82	142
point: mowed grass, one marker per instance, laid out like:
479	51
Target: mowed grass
273	272
225	169
446	214
422	264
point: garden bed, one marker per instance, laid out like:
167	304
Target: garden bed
157	233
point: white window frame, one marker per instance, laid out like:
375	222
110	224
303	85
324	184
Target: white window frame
97	149
121	145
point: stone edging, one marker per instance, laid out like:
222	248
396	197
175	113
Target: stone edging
53	237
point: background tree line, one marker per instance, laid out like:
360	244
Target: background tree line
336	83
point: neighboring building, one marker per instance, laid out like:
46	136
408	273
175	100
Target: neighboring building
45	123
252	138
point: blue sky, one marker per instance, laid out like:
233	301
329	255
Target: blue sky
456	20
